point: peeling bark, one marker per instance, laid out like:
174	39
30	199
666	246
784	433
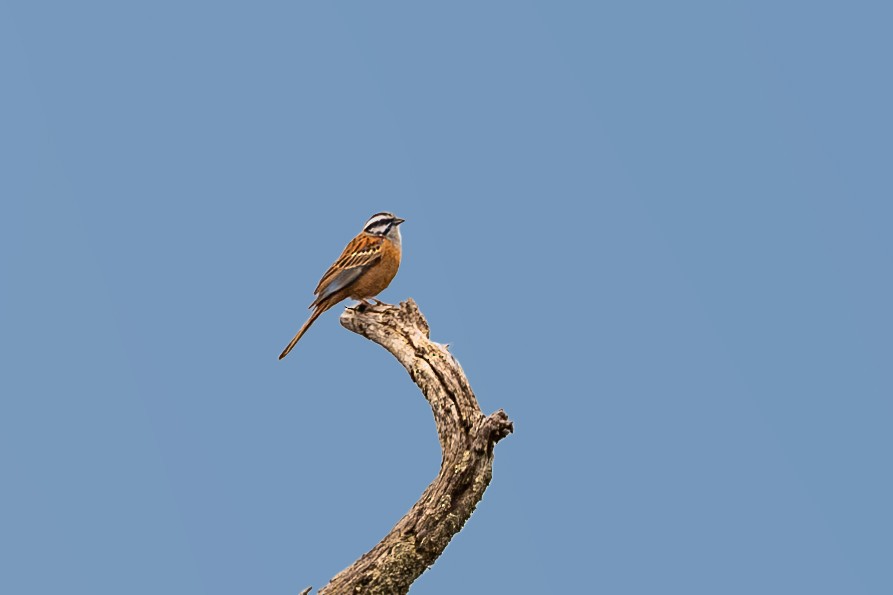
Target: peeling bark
467	438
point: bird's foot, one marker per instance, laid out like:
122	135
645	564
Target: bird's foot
362	305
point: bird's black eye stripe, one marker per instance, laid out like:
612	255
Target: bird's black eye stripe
380	227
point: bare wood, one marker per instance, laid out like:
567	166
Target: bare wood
467	438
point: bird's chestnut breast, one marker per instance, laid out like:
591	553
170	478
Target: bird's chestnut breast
380	275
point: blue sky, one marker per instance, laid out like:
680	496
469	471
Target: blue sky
657	235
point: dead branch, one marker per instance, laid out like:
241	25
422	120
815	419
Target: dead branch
467	438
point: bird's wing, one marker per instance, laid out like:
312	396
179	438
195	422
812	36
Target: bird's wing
361	253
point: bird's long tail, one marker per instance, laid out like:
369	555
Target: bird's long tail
301	332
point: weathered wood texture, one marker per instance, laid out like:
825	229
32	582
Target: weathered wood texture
467	438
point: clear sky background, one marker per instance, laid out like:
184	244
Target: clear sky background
658	234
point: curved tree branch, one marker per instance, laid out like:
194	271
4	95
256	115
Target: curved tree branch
466	436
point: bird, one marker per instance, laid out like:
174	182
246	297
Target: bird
365	268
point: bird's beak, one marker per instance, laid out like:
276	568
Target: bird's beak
399	220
